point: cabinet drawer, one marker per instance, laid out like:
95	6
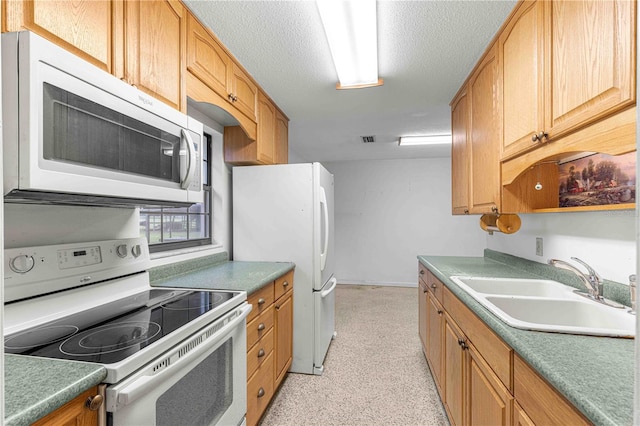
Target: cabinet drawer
541	402
435	286
495	352
259	390
260	300
259	327
283	284
259	352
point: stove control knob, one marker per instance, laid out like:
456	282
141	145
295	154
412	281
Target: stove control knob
136	251
22	263
121	250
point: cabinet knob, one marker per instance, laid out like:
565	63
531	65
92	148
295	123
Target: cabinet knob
93	403
462	344
286	283
277	307
494	209
466	211
261	301
439	312
434	286
538	137
260	393
421	271
424	291
261	326
260	353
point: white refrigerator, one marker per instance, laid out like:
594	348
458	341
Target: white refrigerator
284	213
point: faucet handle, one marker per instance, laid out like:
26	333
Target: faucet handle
591	271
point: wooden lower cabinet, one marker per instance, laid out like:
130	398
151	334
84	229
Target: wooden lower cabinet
480	379
454	371
269	343
423	300
488	400
75	412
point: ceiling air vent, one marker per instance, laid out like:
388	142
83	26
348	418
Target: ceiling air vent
368	139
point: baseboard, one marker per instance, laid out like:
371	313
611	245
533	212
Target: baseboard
378	283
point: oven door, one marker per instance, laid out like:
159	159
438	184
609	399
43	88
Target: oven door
203	381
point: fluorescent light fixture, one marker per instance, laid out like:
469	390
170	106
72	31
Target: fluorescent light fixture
424	140
351	30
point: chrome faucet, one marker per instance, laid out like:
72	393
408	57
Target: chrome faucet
593	282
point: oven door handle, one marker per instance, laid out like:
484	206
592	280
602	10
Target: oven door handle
142	385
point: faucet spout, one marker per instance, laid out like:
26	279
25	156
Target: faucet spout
593	282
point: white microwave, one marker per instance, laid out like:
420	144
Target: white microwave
75	134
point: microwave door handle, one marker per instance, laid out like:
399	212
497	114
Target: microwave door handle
144	384
190	169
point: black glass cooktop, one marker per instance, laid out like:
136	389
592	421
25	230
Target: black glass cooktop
114	331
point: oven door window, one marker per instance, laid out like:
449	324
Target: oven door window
212	383
79	131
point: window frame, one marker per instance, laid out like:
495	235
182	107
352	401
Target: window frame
207	186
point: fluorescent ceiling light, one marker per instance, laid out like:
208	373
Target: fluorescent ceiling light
351	30
424	140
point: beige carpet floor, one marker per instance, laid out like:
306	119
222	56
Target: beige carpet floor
375	371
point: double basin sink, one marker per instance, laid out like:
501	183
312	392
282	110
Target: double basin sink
546	305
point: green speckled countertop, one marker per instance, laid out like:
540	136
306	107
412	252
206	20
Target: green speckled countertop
594	373
34	387
220	275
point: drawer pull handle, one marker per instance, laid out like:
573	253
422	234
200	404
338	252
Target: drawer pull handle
260	353
434	285
261	326
286	283
261	301
260	393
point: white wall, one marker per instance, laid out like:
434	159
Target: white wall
605	240
389	211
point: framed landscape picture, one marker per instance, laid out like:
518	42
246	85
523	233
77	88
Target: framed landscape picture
598	179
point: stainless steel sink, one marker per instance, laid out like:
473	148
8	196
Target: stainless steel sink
546	305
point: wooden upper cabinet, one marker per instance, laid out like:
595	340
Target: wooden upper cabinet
484	133
591	61
564	64
520	53
459	154
266	130
85	28
206	59
281	150
244	92
155	39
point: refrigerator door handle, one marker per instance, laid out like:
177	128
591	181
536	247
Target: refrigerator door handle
332	287
325	213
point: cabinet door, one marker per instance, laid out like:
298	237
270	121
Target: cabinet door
281	150
520	417
484	135
84	27
488	401
591	61
284	336
73	413
435	323
266	130
454	371
245	93
423	300
206	59
155	39
521	50
459	155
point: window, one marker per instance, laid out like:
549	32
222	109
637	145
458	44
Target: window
169	228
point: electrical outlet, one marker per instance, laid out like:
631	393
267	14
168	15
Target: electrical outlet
539	246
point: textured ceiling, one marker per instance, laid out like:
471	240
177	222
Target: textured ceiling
426	49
